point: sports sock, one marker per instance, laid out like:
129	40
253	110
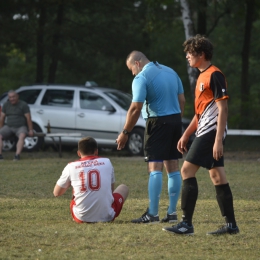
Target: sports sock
225	201
188	199
174	188
154	191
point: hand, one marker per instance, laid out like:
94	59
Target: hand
218	150
182	144
31	133
121	141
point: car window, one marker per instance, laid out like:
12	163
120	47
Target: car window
89	100
57	97
29	96
122	99
3	96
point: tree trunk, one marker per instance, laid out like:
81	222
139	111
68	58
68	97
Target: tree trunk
245	87
40	46
189	32
202	17
55	44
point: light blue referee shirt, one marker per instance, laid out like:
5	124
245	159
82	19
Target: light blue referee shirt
158	87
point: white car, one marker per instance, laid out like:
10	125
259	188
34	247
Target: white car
91	111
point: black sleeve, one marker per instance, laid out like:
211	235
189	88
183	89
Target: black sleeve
218	85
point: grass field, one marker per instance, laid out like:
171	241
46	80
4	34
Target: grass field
35	225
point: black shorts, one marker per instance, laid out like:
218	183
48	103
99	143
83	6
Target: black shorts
161	137
201	152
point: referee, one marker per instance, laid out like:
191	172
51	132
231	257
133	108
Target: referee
157	93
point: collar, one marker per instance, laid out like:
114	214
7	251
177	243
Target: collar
88	158
206	68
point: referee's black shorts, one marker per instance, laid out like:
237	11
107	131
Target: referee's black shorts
161	137
201	151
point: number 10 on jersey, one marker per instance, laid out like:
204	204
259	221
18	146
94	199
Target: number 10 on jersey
89	180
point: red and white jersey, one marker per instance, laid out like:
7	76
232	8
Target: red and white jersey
91	178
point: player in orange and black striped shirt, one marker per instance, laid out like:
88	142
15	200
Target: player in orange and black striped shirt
210	124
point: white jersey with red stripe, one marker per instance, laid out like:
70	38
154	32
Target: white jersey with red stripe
91	178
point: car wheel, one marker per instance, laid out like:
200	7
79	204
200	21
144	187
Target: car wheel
33	143
30	143
135	142
9	145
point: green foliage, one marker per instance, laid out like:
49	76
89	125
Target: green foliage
35	225
96	36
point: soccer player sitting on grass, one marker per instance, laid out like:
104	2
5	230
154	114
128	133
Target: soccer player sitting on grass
92	179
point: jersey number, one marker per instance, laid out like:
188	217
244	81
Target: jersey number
89	180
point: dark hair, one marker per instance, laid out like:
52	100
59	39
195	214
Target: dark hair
87	146
198	45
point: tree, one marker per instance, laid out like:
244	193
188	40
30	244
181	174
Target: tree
245	87
40	46
189	32
56	37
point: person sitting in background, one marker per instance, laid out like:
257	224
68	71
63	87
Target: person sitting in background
17	115
92	179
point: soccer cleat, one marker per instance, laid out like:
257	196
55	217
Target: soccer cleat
181	229
224	230
146	218
170	218
16	157
1	157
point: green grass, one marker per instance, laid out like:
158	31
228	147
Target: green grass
35	225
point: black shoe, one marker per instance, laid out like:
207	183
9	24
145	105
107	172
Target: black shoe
146	218
1	157
170	218
16	157
224	230
181	228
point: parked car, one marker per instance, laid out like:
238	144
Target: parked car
94	111
2	97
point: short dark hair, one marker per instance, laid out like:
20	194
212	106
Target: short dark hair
198	44
87	146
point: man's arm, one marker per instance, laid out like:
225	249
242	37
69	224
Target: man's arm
181	98
221	125
29	123
131	118
2	119
58	191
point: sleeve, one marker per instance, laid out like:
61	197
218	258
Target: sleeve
26	108
64	180
218	86
139	89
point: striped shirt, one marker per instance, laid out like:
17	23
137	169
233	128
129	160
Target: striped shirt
211	87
